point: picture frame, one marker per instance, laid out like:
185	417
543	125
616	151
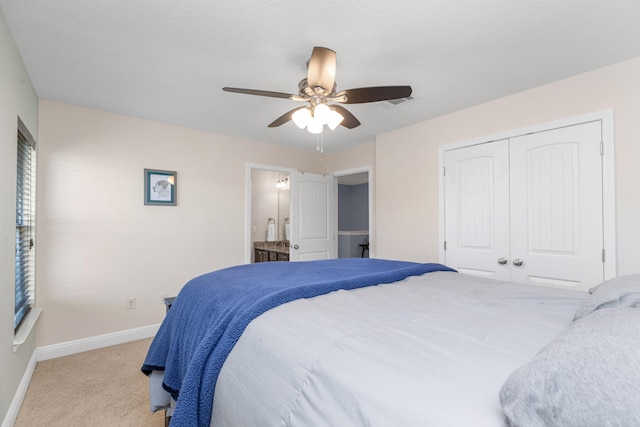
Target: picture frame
160	187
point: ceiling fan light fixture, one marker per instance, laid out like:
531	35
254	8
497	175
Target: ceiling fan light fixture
301	117
319	91
321	112
315	126
334	119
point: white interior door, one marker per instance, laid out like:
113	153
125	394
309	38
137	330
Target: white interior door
556	207
313	217
477	209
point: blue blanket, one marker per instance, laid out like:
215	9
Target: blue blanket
211	312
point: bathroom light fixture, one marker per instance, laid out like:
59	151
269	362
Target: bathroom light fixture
283	182
315	117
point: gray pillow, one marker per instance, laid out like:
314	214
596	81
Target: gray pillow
589	376
622	291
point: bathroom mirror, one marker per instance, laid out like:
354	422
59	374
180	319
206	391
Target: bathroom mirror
270	198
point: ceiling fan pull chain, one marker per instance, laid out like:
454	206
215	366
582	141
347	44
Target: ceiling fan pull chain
320	142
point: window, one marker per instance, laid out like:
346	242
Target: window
25	221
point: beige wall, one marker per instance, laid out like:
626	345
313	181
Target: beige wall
100	245
362	156
407	160
356	157
17	99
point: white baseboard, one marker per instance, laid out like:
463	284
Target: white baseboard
16	403
92	343
66	349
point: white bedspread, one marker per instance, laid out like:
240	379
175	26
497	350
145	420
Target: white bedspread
432	350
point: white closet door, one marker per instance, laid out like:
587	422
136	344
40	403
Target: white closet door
477	209
556	207
314	216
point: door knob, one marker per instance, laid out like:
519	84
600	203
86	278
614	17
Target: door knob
296	247
518	262
502	261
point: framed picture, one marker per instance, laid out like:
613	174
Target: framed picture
160	187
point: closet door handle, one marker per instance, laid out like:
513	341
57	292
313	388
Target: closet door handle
502	261
296	247
518	262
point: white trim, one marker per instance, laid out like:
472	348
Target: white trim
608	174
16	403
369	170
354	171
608	196
541	127
353	233
92	343
25	329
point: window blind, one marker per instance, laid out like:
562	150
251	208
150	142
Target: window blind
25	218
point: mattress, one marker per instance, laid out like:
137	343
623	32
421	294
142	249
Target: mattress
432	350
212	310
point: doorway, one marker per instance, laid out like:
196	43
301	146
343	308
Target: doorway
300	222
354	213
268	208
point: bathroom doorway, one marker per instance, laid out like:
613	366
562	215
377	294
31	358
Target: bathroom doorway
263	193
269	211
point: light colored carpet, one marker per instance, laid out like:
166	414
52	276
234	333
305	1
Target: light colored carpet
103	387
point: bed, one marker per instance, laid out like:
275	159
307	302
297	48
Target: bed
369	342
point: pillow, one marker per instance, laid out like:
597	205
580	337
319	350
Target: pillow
588	376
621	291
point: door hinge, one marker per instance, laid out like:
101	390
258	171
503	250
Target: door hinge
603	257
601	148
444	171
445	245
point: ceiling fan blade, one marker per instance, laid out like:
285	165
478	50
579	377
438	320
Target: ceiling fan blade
350	120
258	92
322	69
284	118
374	94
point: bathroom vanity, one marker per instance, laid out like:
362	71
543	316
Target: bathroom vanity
271	251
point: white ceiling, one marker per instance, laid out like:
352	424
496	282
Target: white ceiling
168	60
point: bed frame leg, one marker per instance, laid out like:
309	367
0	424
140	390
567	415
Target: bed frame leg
167	419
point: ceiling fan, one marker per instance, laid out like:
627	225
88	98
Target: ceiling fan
318	90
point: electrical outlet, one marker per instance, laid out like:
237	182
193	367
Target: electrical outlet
162	297
131	303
